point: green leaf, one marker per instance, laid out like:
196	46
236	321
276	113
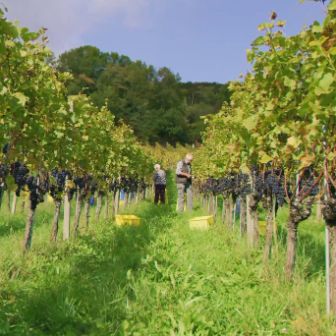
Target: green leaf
265	26
290	83
326	82
259	41
249	55
9	44
59	135
331	156
265	158
306	161
250	123
317	28
332	6
332	51
293	142
21	98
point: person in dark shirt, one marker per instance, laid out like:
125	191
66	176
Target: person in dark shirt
160	181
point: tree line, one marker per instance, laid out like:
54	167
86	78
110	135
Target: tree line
154	102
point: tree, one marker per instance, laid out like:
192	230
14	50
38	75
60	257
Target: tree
152	101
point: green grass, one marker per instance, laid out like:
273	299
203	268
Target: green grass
157	279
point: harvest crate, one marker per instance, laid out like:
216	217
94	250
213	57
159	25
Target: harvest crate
201	223
122	220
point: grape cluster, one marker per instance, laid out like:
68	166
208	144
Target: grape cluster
142	185
57	183
3	174
237	185
209	186
80	182
20	173
241	186
233	184
128	184
38	186
225	185
270	183
5	149
91	184
86	184
276	184
3	171
113	186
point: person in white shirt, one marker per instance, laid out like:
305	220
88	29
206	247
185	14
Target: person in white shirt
184	183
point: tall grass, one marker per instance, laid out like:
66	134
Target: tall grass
157	279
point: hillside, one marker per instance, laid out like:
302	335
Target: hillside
154	102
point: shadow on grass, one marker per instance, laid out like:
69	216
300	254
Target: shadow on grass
84	288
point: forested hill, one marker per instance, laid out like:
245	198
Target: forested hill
154	102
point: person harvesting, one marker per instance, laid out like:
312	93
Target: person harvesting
160	181
184	182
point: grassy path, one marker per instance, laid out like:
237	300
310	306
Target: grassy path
159	279
210	283
79	288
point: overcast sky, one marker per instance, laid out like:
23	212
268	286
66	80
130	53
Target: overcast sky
202	40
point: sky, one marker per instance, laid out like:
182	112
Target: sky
201	40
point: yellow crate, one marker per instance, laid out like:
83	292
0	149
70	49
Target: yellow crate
122	220
201	223
262	228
